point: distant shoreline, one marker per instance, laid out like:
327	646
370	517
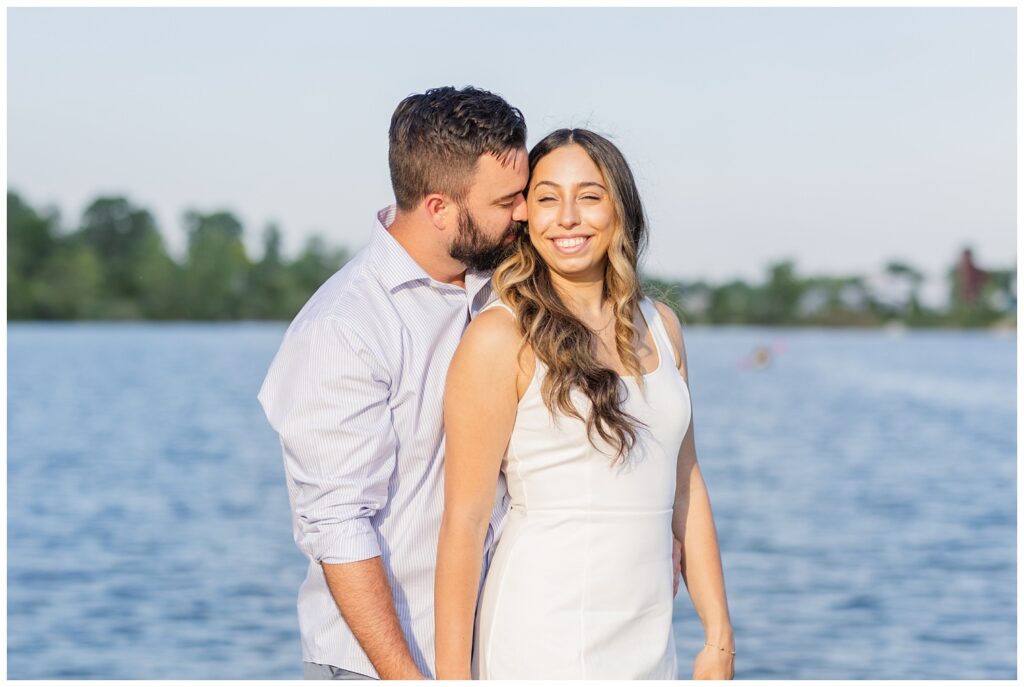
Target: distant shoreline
1007	328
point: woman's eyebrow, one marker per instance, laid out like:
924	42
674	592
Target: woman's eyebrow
581	184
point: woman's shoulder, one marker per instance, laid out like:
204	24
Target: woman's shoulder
494	334
493	338
494	329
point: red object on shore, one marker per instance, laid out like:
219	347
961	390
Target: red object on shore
970	278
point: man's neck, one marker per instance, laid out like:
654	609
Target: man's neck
419	241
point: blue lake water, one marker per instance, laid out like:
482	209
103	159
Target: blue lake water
864	488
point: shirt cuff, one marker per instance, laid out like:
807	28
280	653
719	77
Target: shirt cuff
346	542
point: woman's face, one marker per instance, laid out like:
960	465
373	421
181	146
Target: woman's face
570	213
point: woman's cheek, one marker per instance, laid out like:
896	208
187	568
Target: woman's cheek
600	219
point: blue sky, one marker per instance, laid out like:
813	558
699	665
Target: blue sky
838	137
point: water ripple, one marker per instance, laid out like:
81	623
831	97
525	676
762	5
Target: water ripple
863	489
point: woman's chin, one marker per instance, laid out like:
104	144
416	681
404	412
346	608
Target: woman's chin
578	268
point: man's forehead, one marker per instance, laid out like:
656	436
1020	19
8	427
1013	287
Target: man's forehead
512	160
510	169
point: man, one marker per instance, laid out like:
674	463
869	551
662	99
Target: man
355	391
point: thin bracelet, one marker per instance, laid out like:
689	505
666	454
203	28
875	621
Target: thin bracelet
733	652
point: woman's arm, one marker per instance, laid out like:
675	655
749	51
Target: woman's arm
693	524
479	411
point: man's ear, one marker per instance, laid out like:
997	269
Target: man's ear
440	210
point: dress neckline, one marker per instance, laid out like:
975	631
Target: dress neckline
644	304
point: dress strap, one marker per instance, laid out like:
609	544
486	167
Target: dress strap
666	351
500	303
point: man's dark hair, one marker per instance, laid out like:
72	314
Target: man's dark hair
437	137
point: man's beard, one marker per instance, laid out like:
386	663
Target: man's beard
471	248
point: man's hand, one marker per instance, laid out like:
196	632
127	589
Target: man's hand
677	561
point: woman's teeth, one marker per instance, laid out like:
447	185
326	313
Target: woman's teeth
570	243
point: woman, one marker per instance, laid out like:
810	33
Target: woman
574	386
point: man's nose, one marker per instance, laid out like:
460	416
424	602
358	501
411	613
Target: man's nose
519	209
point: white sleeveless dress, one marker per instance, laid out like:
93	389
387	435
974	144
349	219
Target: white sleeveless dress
580	584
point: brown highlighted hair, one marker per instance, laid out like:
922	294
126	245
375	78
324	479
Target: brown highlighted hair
437	137
557	337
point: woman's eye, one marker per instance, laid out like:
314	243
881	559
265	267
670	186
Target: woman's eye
546	198
591	198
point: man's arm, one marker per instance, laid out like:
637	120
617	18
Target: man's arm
364	598
327	396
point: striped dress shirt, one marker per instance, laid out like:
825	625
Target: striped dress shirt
355	393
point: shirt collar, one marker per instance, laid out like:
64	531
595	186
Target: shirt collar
395	267
392	264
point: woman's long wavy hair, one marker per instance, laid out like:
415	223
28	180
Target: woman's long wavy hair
557	337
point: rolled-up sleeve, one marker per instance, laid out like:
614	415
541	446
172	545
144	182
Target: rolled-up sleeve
327	396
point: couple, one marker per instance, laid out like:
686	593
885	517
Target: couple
488	366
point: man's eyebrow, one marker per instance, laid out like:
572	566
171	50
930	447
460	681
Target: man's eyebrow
510	196
582	183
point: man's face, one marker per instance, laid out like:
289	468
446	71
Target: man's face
489	217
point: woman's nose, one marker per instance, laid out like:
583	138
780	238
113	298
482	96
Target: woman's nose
568	215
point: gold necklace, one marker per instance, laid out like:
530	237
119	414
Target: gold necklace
610	320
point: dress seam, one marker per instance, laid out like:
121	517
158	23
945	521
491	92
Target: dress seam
586	570
486	667
513	459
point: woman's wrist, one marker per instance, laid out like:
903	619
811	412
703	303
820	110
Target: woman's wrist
453	675
720	635
452	671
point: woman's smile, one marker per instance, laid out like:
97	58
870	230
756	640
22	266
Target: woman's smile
571	245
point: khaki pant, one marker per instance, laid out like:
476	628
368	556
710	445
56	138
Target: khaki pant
319	671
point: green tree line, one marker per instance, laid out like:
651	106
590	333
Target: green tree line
115	266
893	295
